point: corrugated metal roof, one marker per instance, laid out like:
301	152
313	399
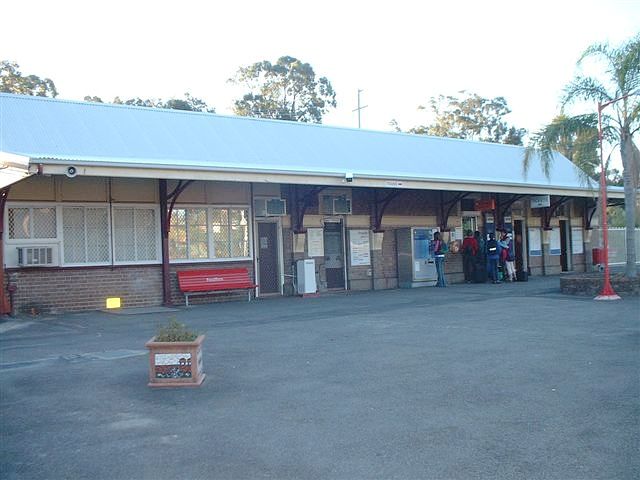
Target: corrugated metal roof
43	128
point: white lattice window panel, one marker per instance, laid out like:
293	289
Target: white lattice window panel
230	230
32	222
134	234
86	235
188	237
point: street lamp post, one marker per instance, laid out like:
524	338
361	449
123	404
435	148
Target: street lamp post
607	292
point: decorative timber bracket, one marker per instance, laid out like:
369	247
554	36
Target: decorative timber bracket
443	216
379	205
300	202
504	204
550	211
590	208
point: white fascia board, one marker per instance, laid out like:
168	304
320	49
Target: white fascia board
305	178
13	168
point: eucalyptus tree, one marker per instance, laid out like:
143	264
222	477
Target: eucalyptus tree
13	81
470	117
618	85
285	90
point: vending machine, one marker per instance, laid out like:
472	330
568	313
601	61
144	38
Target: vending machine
416	263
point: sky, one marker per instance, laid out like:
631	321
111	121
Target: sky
399	53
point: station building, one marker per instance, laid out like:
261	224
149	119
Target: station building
103	200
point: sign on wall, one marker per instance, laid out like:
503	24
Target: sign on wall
535	242
554	242
359	247
540	201
577	242
315	242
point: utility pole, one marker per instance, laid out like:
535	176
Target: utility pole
359	107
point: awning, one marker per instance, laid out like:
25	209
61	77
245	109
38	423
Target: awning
13	168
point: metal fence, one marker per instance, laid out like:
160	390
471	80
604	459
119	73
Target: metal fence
618	245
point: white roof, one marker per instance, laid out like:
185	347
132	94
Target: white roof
54	131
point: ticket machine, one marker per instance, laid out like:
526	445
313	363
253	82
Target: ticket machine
416	263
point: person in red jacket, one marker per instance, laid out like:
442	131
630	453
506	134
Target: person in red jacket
469	252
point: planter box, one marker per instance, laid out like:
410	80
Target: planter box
175	364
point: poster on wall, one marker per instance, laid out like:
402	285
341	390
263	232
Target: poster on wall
577	243
315	242
554	242
535	242
359	248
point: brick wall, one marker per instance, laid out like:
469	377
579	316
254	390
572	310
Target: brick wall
76	289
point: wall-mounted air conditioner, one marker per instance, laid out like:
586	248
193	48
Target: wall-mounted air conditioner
36	256
341	206
269	207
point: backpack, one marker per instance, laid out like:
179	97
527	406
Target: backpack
444	247
492	247
468	250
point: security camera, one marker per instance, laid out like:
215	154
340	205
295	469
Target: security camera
71	172
348	177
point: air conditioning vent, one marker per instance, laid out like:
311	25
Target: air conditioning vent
35	256
269	207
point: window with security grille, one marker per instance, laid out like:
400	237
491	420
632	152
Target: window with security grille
86	235
32	222
230	230
209	233
188	236
134	234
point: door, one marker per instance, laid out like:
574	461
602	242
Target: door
268	274
564	245
518	244
334	254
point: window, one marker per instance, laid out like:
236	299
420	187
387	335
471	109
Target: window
32	222
209	233
86	234
135	234
469	223
230	229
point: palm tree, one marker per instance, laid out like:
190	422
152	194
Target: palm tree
620	84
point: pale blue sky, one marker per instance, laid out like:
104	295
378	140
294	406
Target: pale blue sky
400	53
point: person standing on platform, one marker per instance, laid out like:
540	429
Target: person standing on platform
469	253
506	242
493	255
439	250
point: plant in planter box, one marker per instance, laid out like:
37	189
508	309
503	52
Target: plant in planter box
175	357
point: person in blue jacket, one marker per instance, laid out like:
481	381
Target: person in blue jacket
493	255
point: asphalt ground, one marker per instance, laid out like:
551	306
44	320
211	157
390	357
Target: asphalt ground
510	381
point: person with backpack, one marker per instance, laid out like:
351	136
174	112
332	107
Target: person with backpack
440	248
469	252
493	255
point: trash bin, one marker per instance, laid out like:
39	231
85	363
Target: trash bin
597	256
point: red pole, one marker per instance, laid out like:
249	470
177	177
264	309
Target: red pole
607	292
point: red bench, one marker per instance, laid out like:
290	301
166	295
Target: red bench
201	282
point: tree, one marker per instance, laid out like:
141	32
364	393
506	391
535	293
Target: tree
574	137
471	117
286	90
12	81
619	82
189	103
